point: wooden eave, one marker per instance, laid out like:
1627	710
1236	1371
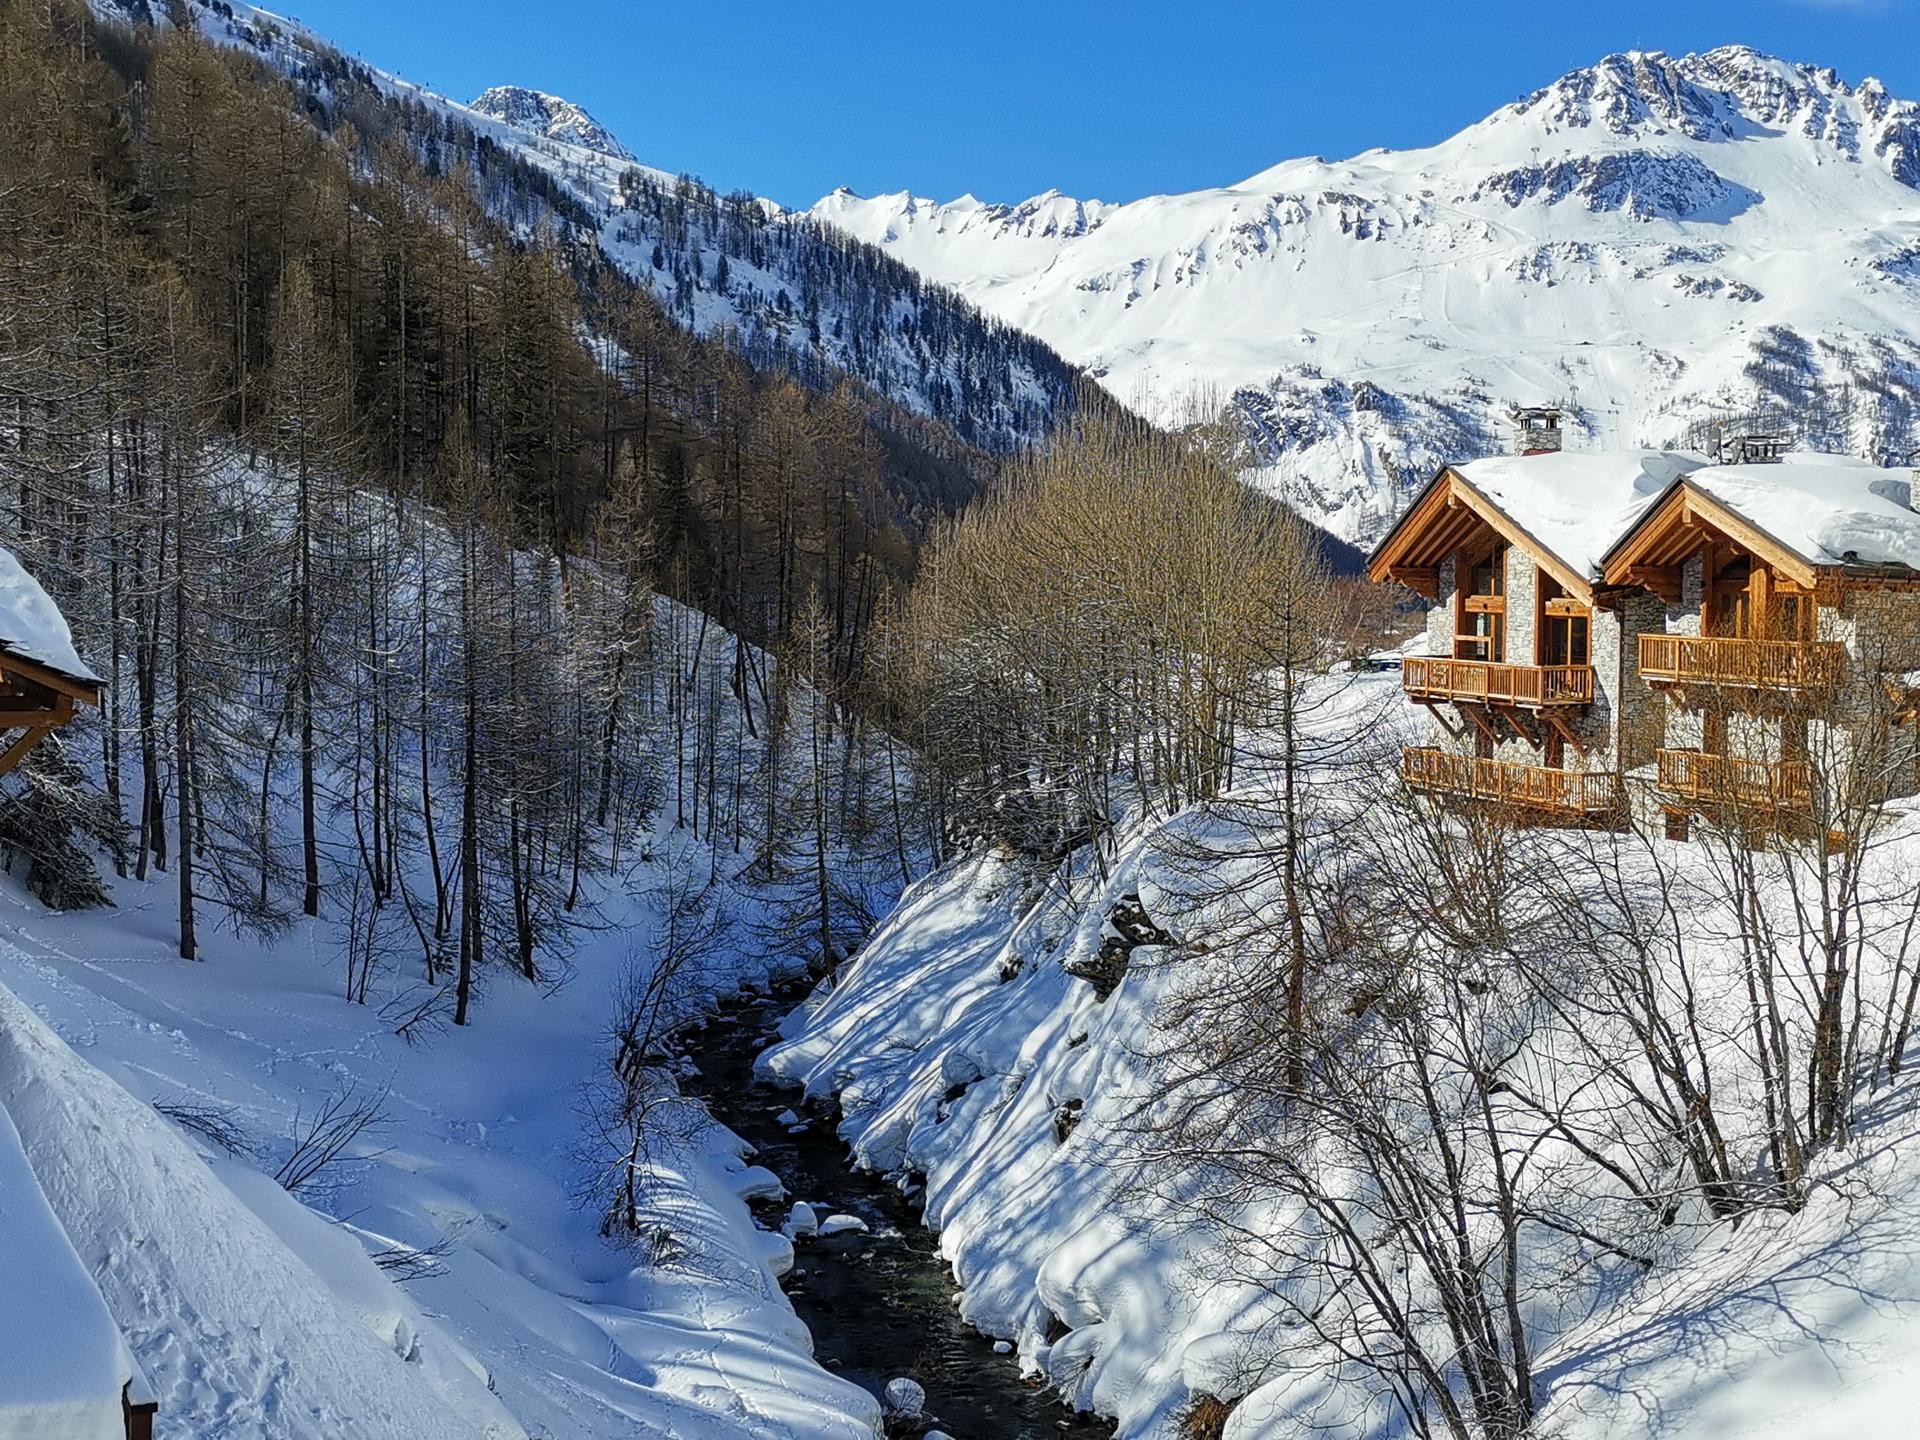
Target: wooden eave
1670	531
20	667
1448	513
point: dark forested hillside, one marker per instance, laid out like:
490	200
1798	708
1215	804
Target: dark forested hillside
782	290
465	289
358	496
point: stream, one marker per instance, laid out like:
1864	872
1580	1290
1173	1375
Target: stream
879	1304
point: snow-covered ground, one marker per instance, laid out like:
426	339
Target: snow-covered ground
500	1309
959	1042
256	1316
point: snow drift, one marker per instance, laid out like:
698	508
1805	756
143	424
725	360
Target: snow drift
240	1336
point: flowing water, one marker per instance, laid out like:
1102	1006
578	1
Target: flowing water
879	1304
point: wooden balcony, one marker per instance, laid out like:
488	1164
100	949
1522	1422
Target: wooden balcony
1799	665
1576	794
1736	783
1480	682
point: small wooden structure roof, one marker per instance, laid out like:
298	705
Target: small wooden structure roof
42	677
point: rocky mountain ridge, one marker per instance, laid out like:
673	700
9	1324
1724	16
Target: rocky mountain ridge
1665	245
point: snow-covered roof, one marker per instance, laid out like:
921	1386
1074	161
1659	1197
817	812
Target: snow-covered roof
1827	509
1577	503
31	625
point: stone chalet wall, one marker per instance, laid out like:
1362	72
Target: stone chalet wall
1881	630
1440	617
1642	719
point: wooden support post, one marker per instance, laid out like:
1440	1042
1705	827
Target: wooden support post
1564	731
1518	722
17	751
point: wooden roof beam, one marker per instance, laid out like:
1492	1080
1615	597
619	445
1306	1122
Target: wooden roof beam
1442	520
18	667
1425	579
1662	580
17	751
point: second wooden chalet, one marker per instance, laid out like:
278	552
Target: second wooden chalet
1787	660
1529	674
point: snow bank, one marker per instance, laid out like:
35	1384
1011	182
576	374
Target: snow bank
953	1039
63	1366
240	1336
31	625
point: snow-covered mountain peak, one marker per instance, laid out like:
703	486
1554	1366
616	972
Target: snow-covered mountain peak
1728	94
549	116
1658	241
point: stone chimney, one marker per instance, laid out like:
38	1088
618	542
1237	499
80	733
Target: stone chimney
1536	429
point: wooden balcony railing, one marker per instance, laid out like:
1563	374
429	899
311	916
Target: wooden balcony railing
1731	780
1429	678
1761	664
1532	787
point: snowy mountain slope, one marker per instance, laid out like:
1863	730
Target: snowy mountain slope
970	1048
1655	241
522	1317
790	293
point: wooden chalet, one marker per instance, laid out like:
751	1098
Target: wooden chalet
1650	616
1792	630
42	678
1525	671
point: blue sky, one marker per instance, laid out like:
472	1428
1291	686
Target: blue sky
1005	98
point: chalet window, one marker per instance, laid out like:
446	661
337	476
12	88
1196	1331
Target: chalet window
1485	637
1481	631
1567	640
1790	616
1730	604
1565	626
1713	733
1793	738
1489	577
1732	614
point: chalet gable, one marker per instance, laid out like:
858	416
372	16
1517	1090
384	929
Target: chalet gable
1651	553
1814	520
1559	509
1451	515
